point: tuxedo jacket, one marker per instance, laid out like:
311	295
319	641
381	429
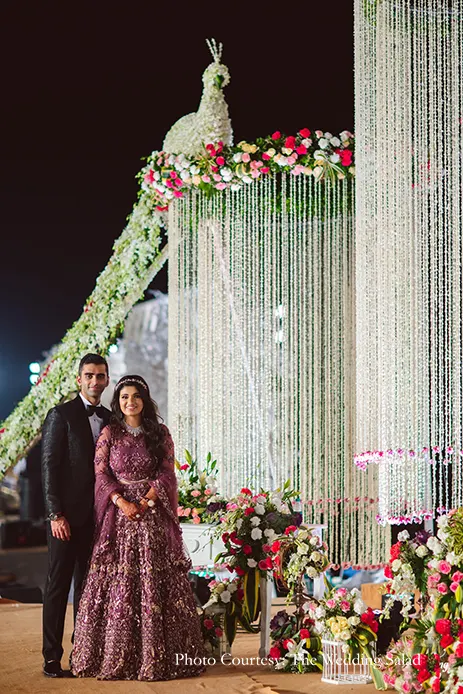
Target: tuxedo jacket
68	452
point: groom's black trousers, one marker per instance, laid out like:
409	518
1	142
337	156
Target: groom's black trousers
66	559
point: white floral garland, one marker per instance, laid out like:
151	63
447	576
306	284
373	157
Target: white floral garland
135	261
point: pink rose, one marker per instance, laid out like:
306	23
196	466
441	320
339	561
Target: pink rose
195	492
454	587
266	156
457	576
246	157
302	149
196	520
180	511
305	132
186	511
444	567
276	135
220	161
207	492
434	578
442	588
345	606
406	686
220	186
184	467
341	591
264	169
331	603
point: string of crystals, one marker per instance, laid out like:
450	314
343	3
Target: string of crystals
261	337
409	328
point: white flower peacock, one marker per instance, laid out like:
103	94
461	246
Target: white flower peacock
211	122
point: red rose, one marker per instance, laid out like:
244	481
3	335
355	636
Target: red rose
275	653
388	572
460	690
247	549
286	643
443	626
220	161
269	563
264	170
240	594
302	149
211	150
225	537
395	549
232	551
249	511
446	640
245	490
290	142
304	634
459	650
218	631
266	548
263	565
290	529
420	661
346	157
266	156
208	623
239	570
436	685
423	675
276	135
276	546
305	132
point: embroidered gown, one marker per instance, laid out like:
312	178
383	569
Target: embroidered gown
137	617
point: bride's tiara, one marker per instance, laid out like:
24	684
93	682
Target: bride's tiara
127	379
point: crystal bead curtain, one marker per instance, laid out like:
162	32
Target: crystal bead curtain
408	80
261	368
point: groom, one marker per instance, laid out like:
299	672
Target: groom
69	435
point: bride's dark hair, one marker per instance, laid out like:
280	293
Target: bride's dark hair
150	417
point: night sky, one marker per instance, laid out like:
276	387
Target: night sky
89	88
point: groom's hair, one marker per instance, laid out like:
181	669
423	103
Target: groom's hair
92	359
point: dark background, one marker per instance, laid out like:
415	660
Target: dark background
89	88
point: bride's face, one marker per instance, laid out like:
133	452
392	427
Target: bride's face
130	401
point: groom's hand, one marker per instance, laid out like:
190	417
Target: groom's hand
60	529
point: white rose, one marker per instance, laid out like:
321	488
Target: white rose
259	509
252	563
345	635
234	187
335	141
315	556
237	157
434	545
434	563
320	612
225	596
328	135
256	533
232	587
443	521
323	143
319	627
239	523
302	549
261	499
441	533
359	606
270	534
396	564
314	541
452	558
422	551
335	158
312	572
255	520
403	535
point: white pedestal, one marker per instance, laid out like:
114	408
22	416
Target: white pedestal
201	546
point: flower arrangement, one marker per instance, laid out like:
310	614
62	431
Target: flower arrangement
249	528
319	154
408	570
302	553
198	500
294	648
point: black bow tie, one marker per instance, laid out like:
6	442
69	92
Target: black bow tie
95	409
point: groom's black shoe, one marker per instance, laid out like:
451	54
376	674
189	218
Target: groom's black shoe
53	669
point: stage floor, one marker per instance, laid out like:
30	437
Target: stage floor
21	662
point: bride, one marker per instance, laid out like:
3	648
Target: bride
137	617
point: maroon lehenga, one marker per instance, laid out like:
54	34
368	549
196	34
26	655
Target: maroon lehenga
137	617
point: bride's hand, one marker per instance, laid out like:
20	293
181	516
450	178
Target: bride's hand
131	510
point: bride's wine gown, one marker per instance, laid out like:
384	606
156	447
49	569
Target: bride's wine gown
137	617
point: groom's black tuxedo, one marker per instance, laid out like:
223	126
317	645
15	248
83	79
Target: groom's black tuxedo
68	451
68	476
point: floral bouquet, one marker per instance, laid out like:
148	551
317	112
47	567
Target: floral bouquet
228	594
408	570
344	617
301	553
198	500
294	649
404	670
249	528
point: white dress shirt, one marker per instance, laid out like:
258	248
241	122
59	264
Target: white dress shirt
96	423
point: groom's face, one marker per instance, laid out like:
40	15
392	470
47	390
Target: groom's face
92	381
